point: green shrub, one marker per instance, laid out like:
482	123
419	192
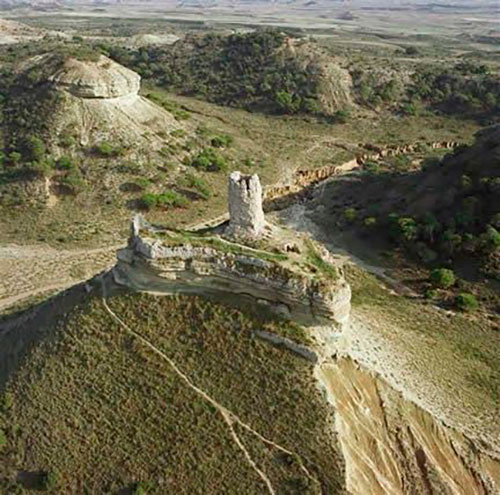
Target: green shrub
49	481
149	200
34	149
210	160
142	488
431	294
199	185
107	150
222	141
178	133
43	168
370	222
288	102
491	238
181	114
350	214
249	162
6	402
341	116
73	179
65	163
14	157
371	167
169	198
66	141
403	229
3	439
443	278
467	302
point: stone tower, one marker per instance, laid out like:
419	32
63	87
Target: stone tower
245	206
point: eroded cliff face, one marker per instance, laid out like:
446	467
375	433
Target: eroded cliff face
222	269
391	446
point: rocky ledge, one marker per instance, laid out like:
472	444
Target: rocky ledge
292	279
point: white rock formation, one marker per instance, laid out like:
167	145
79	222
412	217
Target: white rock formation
245	206
102	79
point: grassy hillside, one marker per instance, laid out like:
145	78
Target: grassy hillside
270	71
91	409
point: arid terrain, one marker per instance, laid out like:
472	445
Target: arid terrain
347	343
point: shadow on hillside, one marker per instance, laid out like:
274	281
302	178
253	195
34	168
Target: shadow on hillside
22	331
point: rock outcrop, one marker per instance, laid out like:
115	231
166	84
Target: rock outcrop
172	262
103	78
245	206
288	274
98	100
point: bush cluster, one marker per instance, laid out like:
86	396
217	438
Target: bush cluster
168	199
209	160
247	70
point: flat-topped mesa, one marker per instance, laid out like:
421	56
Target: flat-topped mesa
288	274
245	206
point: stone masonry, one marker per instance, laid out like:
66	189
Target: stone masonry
245	206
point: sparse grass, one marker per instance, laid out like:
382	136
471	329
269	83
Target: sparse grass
276	144
326	269
455	356
114	413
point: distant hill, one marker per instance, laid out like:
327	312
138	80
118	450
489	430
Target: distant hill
264	70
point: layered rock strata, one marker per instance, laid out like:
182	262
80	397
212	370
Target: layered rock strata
211	266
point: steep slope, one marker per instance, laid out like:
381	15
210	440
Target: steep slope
116	414
446	210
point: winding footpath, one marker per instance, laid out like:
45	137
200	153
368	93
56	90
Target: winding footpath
228	416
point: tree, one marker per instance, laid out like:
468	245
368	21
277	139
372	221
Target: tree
288	102
14	157
65	163
467	302
105	149
491	238
443	278
407	229
34	149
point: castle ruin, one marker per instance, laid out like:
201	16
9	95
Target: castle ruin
245	206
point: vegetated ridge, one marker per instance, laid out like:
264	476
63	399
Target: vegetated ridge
264	70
